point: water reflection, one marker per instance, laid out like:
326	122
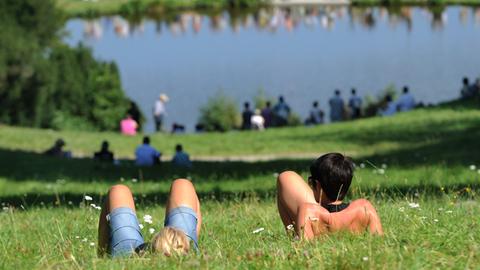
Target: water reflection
279	18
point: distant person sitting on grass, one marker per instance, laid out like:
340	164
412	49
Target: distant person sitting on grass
57	150
119	232
104	154
390	107
267	114
258	122
406	102
315	116
128	126
146	155
467	90
318	208
181	159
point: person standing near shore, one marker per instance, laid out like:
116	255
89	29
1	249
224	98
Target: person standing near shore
159	112
355	104
336	107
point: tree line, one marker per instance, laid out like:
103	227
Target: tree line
47	84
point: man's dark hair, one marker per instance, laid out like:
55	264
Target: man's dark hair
146	140
337	92
405	89
465	81
179	148
388	98
246	105
280	98
315	104
354	91
334	172
268	104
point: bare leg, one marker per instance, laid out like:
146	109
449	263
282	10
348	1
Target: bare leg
292	192
182	192
118	196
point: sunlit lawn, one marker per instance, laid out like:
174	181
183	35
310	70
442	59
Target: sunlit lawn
420	170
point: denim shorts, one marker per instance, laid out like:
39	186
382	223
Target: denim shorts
125	235
185	219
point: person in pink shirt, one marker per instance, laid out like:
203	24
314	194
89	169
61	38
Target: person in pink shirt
128	126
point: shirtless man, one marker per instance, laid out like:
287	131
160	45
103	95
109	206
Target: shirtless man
319	209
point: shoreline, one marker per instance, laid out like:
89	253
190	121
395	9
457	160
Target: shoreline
96	8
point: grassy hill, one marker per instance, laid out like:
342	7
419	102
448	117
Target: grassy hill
428	156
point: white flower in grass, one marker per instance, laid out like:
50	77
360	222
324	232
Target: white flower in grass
401	209
423	217
88	198
5	208
290	227
362	165
440	209
77	237
134	180
140	225
151	230
84	240
473	167
147	219
98	208
93	205
384	166
92	244
478	171
365	258
258	230
414	205
70	202
435	220
449	211
381	171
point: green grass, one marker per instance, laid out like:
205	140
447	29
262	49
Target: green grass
425	156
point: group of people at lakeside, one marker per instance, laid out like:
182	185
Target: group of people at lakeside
145	154
309	209
268	116
340	110
279	115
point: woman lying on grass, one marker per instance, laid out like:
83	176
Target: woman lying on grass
319	209
119	230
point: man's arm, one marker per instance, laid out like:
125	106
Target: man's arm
308	223
373	222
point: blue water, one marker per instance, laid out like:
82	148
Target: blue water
327	48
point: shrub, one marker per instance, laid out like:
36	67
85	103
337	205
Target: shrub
45	83
219	114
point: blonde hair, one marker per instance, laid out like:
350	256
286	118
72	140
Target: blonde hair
171	241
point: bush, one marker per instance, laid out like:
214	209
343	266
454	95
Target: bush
261	98
45	83
219	114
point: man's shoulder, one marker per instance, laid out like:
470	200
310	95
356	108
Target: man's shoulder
361	203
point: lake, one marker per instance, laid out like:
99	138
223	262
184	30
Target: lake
302	53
